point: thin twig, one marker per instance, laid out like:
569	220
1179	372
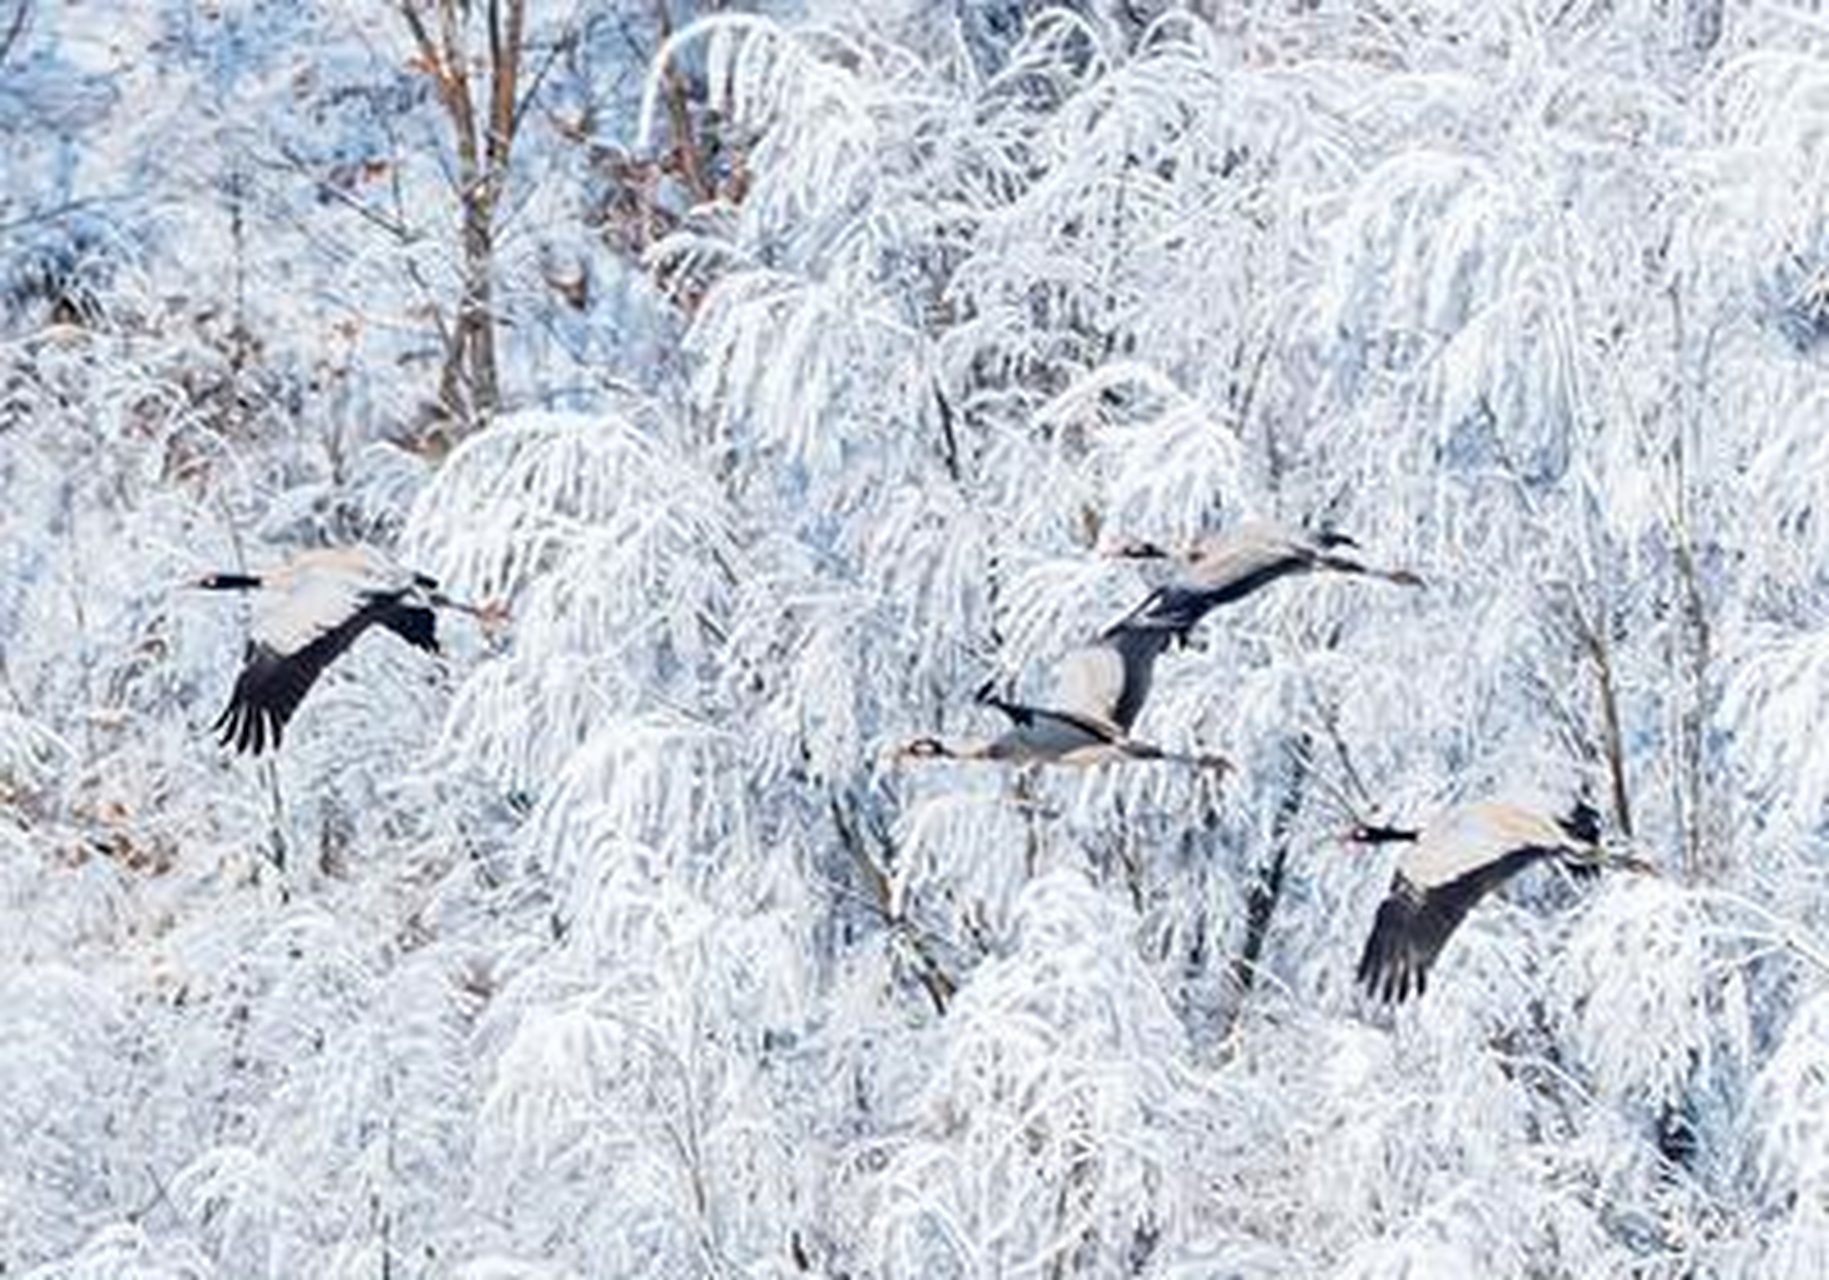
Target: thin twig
939	985
14	29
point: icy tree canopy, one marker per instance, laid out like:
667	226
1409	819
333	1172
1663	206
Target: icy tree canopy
781	380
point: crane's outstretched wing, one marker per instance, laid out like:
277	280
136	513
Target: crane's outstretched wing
273	680
1109	680
1222	570
1414	923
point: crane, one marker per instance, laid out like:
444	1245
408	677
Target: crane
306	613
1447	867
1225	567
1102	688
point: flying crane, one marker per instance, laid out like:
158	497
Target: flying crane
1449	866
306	613
1225	567
1102	688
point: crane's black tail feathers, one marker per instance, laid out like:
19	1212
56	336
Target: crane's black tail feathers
1582	823
986	695
414	623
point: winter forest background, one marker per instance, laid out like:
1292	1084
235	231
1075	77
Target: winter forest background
784	371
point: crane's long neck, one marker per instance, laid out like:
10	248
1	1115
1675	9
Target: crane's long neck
231	582
1386	835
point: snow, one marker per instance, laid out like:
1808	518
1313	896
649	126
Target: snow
615	940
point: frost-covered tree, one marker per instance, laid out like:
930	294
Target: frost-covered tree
826	348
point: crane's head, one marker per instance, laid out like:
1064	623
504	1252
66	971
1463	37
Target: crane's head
227	582
924	748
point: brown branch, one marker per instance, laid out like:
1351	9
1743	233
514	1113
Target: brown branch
686	148
1612	740
469	384
949	435
505	60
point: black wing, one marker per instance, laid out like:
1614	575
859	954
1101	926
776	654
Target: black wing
1177	608
1138	647
1413	925
271	684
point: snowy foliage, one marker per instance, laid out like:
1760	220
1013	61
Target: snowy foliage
835	340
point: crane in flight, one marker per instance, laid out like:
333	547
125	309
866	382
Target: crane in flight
306	613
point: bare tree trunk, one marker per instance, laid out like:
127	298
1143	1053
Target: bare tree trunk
1692	642
1267	886
1591	635
483	126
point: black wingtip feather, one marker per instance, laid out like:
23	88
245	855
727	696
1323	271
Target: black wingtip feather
255	718
1393	965
1413	925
